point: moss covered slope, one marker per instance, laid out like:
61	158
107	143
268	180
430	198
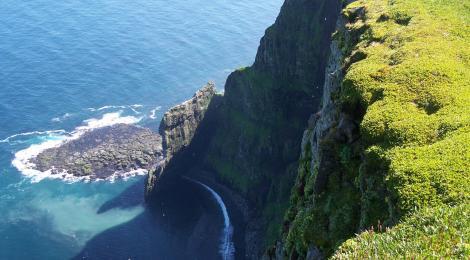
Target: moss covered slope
406	85
415	85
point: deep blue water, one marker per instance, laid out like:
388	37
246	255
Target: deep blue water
105	61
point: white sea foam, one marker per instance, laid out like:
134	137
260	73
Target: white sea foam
22	160
12	137
134	110
153	112
126	175
110	107
133	107
92	109
227	248
61	118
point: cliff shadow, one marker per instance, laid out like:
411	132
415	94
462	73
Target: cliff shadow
183	222
189	162
129	198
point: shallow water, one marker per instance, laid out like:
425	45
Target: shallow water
66	65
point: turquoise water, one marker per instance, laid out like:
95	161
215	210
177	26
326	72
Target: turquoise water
68	66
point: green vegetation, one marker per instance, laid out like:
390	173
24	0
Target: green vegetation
315	208
415	86
441	232
407	81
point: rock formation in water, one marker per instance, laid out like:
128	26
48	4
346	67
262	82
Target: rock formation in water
373	94
104	151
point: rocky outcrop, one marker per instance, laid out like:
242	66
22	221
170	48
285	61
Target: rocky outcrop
103	152
179	124
178	127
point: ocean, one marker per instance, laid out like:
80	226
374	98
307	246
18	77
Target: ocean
71	66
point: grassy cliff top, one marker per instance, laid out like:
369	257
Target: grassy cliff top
410	74
413	79
440	232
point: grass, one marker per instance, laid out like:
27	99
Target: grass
415	87
434	233
413	82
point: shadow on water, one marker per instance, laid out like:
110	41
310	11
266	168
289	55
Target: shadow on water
129	198
182	222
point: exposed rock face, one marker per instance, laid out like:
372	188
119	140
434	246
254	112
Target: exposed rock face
178	126
256	146
103	152
320	125
180	122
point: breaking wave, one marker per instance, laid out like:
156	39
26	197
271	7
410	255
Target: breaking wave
153	112
36	133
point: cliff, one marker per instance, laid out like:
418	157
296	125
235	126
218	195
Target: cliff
177	129
179	123
374	96
265	109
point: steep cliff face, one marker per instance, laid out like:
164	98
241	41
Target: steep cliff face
266	107
178	127
255	141
324	205
256	137
179	124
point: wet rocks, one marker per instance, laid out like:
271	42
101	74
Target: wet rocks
102	152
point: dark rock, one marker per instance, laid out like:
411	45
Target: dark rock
348	129
102	152
314	254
